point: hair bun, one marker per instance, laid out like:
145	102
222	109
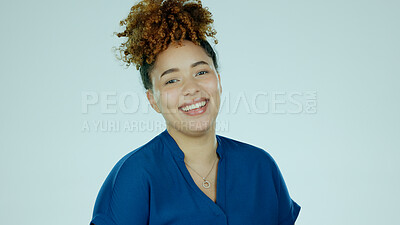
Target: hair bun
152	25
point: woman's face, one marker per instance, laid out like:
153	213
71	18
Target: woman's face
186	88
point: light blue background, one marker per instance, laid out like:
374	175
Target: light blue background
341	164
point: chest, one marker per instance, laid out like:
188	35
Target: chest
210	182
178	196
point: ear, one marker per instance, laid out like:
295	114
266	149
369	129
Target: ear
153	103
219	82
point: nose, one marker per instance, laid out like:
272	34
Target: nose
190	87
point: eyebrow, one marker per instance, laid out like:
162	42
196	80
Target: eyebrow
176	69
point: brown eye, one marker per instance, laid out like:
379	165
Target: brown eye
201	73
171	81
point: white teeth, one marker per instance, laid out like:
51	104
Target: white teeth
194	106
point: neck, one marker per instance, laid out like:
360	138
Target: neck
199	149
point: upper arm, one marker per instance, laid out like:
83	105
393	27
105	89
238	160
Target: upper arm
123	198
288	209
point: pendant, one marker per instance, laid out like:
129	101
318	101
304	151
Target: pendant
206	184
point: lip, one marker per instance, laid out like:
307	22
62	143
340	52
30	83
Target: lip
195	112
194	101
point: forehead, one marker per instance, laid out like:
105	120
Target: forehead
180	57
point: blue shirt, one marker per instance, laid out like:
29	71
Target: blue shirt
152	186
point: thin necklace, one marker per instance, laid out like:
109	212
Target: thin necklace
206	183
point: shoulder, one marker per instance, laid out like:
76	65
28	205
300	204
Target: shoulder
236	148
127	185
245	154
136	163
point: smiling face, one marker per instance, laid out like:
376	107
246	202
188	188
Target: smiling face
186	89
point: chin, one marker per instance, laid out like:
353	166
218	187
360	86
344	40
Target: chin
194	127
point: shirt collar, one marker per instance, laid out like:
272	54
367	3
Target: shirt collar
171	144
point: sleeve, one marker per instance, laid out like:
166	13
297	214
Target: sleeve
288	208
123	198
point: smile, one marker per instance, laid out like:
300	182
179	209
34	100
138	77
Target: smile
196	108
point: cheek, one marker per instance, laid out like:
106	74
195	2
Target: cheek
212	86
170	99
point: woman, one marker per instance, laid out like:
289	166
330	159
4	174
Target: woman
187	175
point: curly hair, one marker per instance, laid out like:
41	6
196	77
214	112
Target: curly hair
153	24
